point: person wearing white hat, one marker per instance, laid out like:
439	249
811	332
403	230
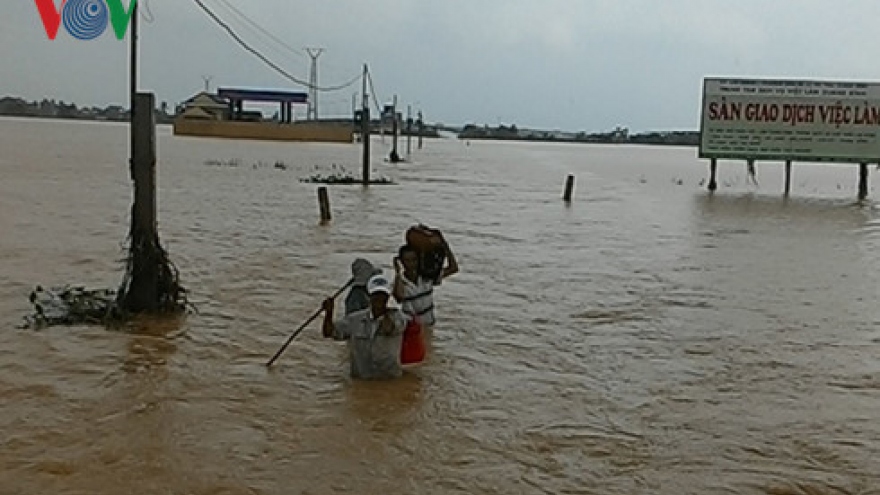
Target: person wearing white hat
374	334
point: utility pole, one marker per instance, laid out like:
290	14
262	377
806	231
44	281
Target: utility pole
409	123
314	53
151	282
365	129
133	82
382	123
394	158
207	80
421	125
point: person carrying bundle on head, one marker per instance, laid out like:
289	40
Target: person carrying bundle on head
419	266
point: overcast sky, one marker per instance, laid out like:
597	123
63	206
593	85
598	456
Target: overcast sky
555	64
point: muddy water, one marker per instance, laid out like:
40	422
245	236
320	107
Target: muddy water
647	338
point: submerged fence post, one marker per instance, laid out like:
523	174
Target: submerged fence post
787	177
324	204
569	187
713	168
863	181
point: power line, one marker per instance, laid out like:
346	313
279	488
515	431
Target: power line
263	58
264	31
261	29
147	13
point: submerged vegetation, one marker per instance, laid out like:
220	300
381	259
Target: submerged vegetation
338	174
341	178
71	306
333	174
235	162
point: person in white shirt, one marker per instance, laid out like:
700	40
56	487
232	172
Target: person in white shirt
374	334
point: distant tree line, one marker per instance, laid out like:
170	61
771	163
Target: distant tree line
18	107
618	135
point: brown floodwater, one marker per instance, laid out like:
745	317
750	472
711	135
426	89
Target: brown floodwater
648	338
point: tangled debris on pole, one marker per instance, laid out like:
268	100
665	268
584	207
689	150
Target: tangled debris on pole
151	282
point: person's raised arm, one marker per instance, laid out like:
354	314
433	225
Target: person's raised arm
398	291
451	263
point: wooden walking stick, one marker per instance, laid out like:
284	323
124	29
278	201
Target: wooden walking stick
304	325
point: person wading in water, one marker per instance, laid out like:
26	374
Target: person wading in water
374	334
358	299
415	291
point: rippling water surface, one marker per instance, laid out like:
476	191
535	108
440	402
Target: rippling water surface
648	338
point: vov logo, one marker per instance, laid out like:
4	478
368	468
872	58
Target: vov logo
85	19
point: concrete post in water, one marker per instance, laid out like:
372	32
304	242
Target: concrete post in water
324	204
863	181
569	187
787	177
151	283
143	294
713	168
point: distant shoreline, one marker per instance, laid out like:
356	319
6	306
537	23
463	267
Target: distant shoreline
637	140
50	109
619	135
19	107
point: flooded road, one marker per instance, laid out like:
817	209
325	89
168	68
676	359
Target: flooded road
646	339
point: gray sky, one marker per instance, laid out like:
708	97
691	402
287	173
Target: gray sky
555	64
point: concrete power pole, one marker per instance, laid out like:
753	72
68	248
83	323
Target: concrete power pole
207	80
421	124
409	124
365	128
314	53
394	157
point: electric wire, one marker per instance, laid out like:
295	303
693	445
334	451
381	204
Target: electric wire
266	60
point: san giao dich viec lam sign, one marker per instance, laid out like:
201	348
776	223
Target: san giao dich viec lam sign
85	19
765	119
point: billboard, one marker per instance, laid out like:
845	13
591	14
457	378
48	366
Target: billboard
765	119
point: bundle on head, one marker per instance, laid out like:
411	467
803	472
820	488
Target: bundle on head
429	245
